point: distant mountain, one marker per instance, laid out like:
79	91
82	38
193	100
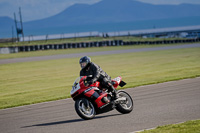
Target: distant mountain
6	23
107	11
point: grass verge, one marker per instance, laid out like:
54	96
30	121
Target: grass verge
186	127
34	82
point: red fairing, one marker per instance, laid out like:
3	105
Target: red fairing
98	100
82	88
89	93
96	84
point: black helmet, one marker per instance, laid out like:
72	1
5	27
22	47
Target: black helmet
85	62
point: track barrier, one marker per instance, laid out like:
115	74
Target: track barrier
28	48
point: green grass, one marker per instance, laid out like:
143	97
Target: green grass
34	82
85	39
186	127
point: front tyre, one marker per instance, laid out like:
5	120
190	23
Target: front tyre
126	106
85	112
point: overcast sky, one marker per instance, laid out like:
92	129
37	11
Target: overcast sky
38	9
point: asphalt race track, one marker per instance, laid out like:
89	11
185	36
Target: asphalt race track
53	57
154	105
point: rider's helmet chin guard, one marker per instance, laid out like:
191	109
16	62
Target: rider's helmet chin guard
84	62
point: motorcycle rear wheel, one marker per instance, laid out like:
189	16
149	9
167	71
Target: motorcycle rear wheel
84	112
127	106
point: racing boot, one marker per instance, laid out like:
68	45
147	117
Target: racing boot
113	91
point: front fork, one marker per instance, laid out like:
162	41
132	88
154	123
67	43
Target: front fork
86	103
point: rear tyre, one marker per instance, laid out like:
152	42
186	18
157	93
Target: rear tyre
84	112
125	106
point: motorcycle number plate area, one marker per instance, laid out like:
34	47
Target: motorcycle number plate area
75	88
118	79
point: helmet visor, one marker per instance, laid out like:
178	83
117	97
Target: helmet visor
83	65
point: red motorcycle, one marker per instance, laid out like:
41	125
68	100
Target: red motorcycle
91	100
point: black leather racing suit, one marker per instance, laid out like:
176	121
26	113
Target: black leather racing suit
98	75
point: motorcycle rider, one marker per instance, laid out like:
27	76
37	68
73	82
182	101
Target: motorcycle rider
90	68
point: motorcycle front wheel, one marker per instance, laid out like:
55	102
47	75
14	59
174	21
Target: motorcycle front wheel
125	106
85	109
